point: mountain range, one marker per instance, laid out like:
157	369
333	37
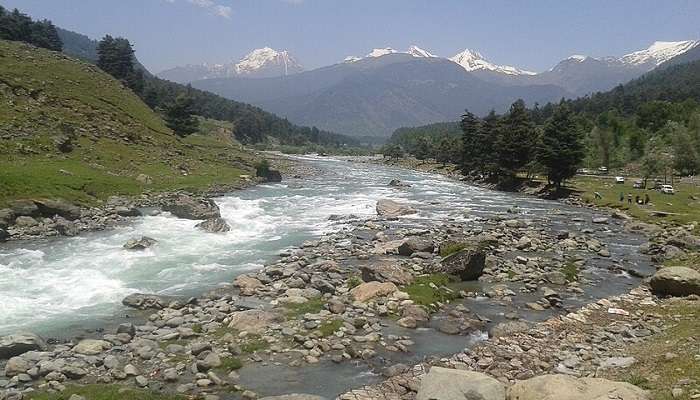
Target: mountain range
387	88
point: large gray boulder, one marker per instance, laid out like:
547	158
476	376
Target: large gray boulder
415	245
676	281
49	208
25	208
4	235
386	273
453	384
14	345
214	225
254	322
7	217
565	387
140	244
192	208
145	301
468	263
391	208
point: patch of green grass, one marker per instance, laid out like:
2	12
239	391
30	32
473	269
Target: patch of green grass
197	328
115	136
229	364
104	392
312	306
327	328
570	271
354	281
254	344
682	207
690	260
452	248
422	293
656	372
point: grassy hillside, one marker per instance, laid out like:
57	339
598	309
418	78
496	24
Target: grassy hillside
69	130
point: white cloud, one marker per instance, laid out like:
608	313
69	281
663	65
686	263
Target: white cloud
219	10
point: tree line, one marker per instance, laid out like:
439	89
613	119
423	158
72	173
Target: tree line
649	126
19	27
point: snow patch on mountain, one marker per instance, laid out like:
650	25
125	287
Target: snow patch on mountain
659	52
472	60
266	57
381	52
416	51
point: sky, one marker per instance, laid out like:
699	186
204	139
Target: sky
528	34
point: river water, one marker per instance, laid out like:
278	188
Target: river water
62	284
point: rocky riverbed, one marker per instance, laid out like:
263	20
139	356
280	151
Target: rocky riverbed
512	291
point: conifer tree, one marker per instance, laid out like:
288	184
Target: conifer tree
179	118
516	141
471	153
561	148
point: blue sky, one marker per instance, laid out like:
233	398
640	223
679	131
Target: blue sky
530	34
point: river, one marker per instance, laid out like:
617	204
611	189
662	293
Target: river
59	285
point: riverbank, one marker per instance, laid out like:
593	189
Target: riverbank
373	293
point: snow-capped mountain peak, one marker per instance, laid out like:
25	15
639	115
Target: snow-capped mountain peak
659	52
381	52
267	58
416	51
472	60
577	58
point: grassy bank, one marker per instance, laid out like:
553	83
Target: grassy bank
69	130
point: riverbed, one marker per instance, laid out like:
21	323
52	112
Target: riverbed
58	287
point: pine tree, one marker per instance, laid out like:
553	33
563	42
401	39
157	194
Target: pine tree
179	118
486	140
471	153
517	140
561	148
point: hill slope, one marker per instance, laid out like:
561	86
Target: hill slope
375	96
69	130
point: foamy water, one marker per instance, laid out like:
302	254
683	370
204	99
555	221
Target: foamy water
46	285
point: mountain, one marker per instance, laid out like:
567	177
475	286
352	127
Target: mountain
260	63
471	61
377	94
582	75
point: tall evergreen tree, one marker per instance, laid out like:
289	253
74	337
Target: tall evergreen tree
179	118
116	57
486	140
517	140
561	148
470	125
20	27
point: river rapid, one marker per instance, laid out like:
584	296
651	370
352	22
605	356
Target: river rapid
63	287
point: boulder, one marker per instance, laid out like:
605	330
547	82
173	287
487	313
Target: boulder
214	225
391	208
124	211
191	208
247	284
416	312
14	345
25	208
676	281
91	347
64	226
565	387
508	328
270	175
16	366
49	208
7	217
386	273
398	183
685	241
24	221
370	290
145	301
468	263
416	245
140	244
253	321
452	384
4	235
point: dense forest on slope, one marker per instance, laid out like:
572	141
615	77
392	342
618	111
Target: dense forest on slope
19	27
650	125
